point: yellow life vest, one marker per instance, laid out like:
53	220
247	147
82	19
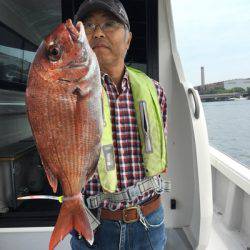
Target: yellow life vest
151	131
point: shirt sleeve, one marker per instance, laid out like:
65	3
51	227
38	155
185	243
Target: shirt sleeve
163	103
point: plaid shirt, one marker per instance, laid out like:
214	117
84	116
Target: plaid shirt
126	140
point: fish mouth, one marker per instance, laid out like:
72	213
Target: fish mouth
73	31
76	32
81	61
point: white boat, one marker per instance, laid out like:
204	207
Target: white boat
209	204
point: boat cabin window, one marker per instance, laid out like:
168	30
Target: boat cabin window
23	25
16	55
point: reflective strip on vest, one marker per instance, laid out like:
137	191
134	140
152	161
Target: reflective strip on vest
150	126
106	164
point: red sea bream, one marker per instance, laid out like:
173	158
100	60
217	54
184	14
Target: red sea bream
63	99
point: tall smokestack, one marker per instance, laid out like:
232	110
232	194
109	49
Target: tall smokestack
202	76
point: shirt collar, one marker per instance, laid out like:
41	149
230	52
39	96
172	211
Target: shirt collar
106	79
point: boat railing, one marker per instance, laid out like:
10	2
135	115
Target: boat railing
231	198
236	172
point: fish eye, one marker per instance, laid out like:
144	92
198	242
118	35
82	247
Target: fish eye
54	53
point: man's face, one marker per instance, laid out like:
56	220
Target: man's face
109	45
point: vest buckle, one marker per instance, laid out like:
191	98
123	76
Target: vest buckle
133	192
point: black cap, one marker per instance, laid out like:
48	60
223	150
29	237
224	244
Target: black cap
113	6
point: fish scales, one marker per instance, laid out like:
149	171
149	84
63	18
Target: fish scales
63	100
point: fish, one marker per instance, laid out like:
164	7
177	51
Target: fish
64	107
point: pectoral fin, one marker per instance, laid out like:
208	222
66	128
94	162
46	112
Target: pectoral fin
81	91
78	91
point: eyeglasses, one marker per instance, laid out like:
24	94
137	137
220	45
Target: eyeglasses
108	26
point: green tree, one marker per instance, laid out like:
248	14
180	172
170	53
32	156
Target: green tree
216	90
237	89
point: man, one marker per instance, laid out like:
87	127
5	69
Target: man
124	192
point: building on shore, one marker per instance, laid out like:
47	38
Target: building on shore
228	84
240	83
206	87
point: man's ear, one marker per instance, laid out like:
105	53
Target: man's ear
129	38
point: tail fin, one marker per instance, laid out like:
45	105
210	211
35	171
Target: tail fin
72	215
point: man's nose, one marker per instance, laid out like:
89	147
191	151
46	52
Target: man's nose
98	32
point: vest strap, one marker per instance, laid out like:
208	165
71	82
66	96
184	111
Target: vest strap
156	183
93	221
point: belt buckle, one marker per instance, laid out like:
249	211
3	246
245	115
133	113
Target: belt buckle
124	215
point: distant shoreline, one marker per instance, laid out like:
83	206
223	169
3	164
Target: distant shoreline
226	100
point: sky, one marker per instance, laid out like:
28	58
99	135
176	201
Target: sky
214	34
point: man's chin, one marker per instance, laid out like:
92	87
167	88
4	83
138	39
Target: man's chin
103	59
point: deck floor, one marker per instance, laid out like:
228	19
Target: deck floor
220	239
177	240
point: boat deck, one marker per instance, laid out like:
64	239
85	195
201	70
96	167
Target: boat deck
221	238
176	239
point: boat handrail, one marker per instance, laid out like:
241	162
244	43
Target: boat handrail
233	170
